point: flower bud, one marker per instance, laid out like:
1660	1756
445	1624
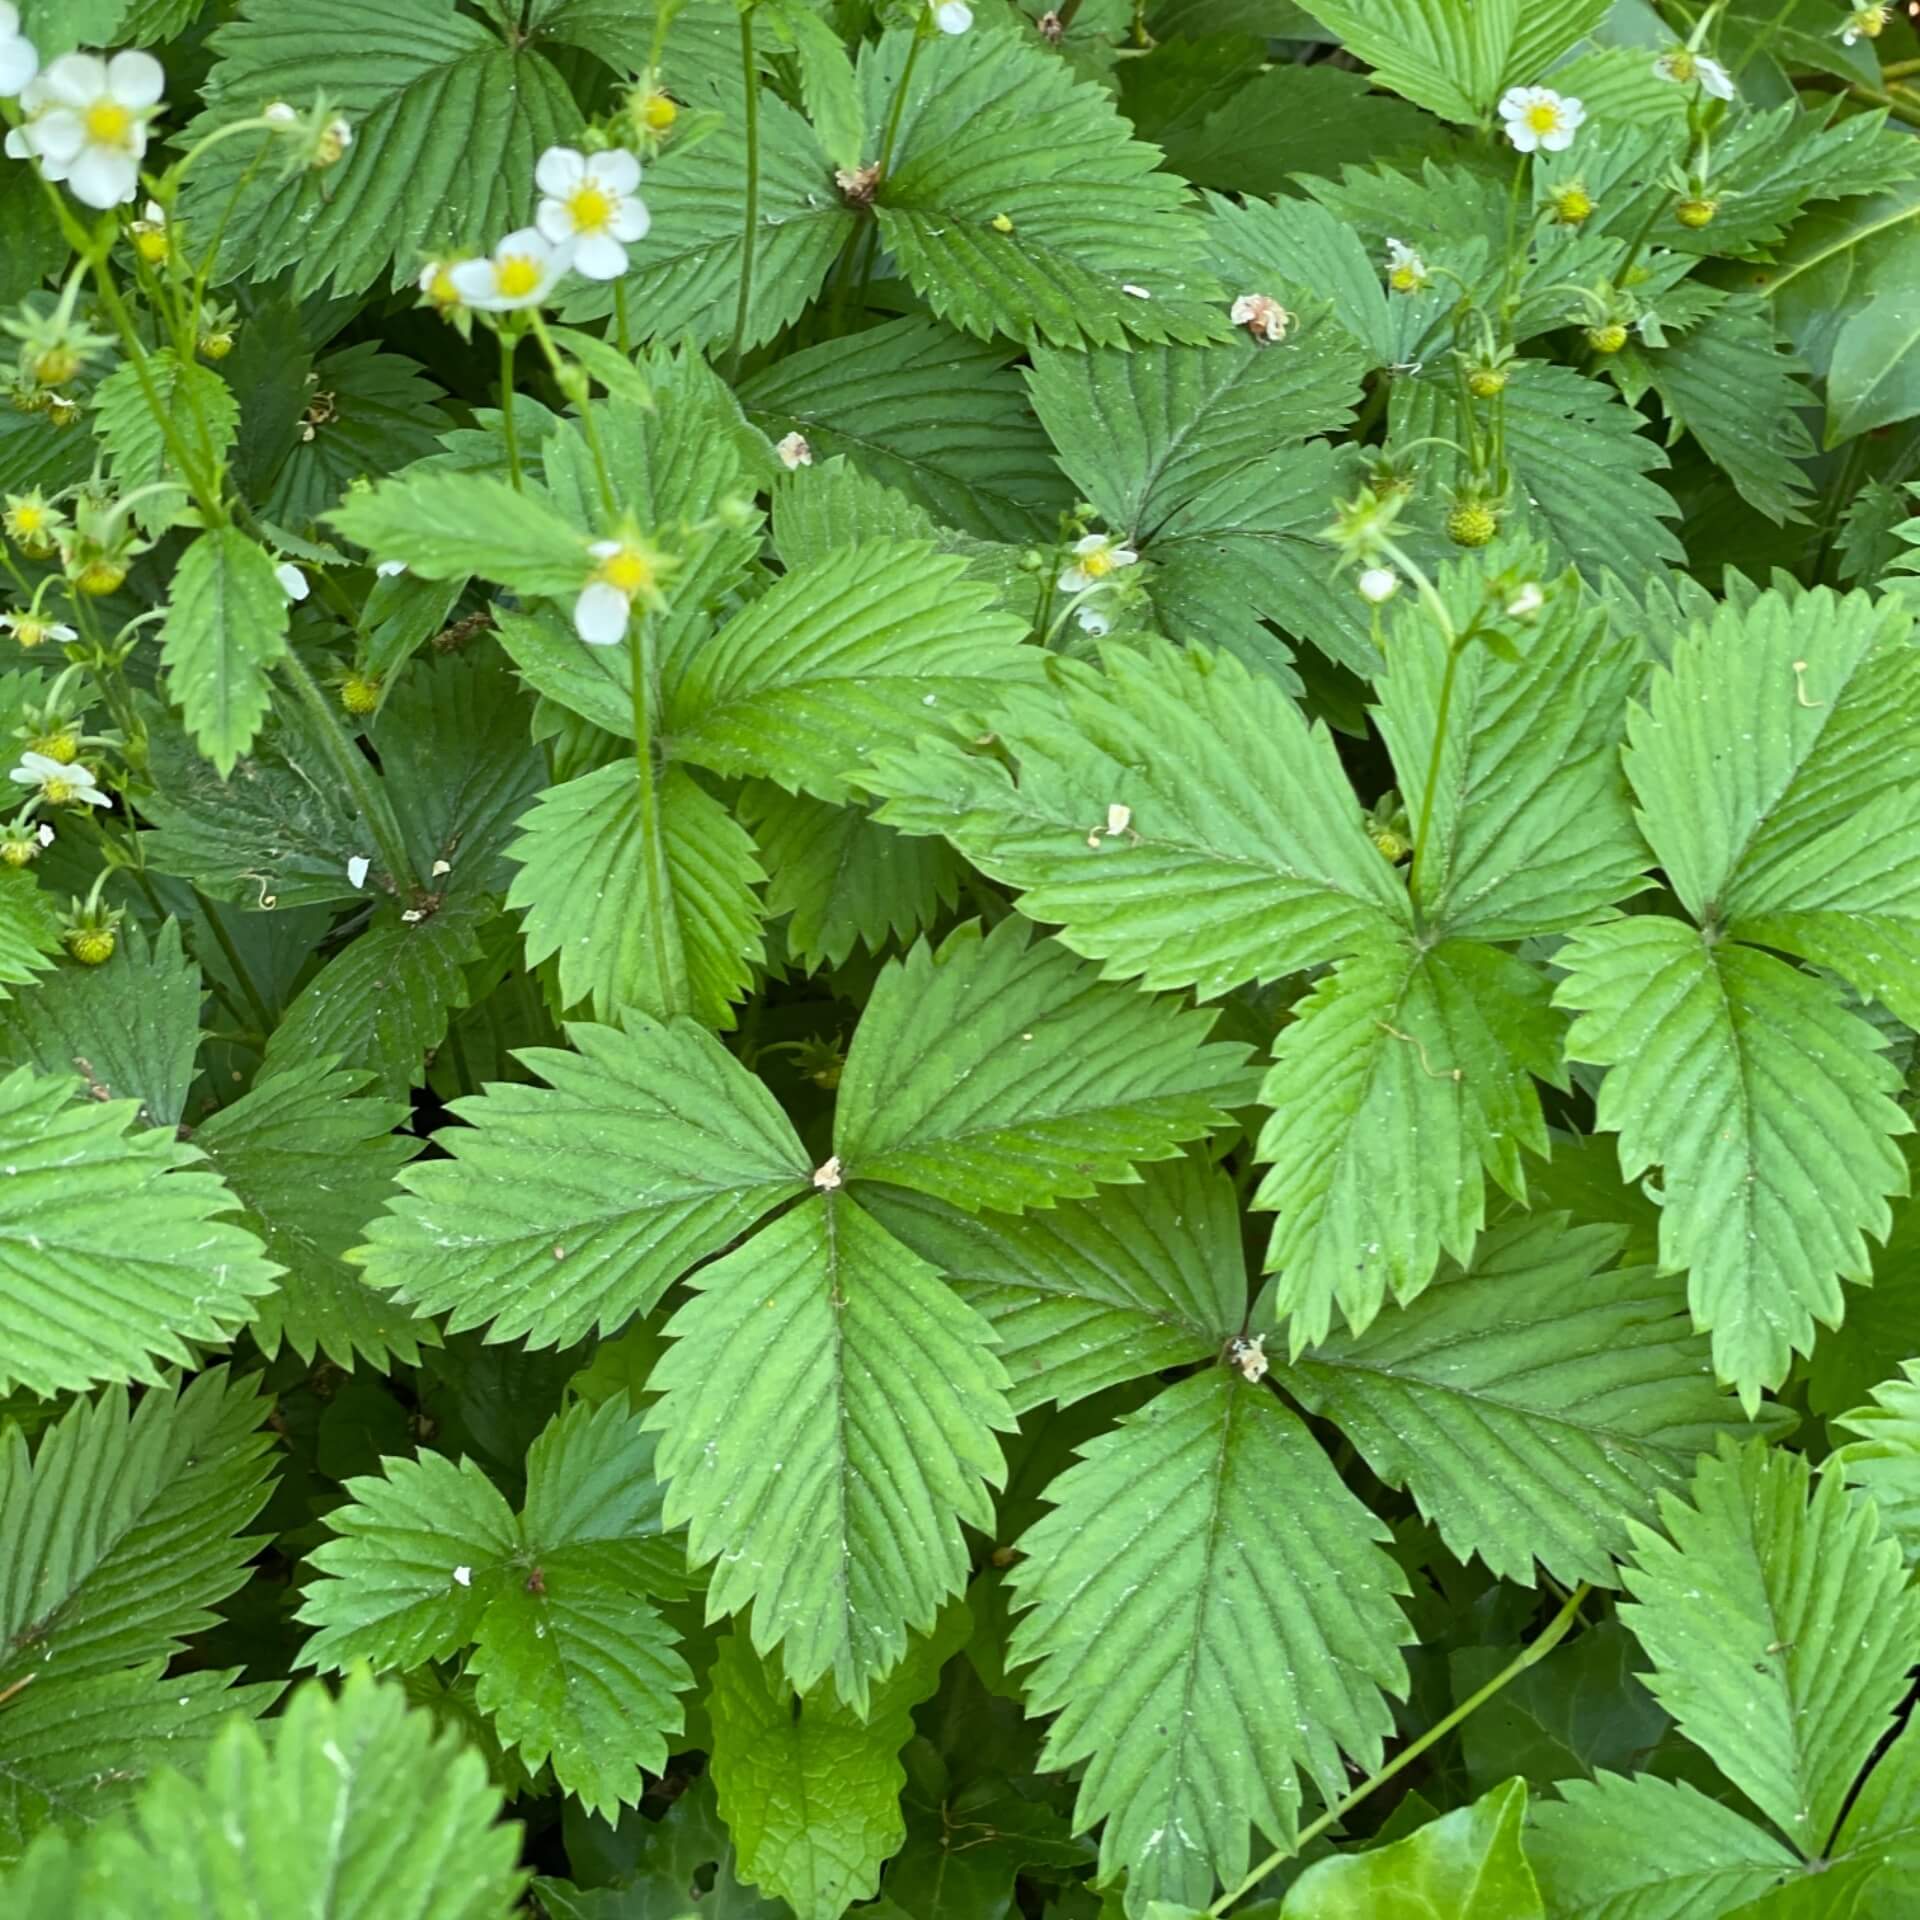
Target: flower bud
1607	338
1472	523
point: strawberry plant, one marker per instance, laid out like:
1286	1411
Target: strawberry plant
959	962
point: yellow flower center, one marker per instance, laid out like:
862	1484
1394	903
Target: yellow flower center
1543	116
58	792
108	123
591	207
658	113
440	289
27	520
28	631
62	747
1097	564
1404	280
517	275
628	570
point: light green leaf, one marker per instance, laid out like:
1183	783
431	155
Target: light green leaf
225	626
1092	1292
1404	1080
29	930
359	1796
827	85
840	660
1250	1637
844	878
827	1425
1467	1865
310	1166
1580	1379
447	116
130	1028
445	526
1780	1630
578	1203
810	1789
1242	855
1884	1462
112	1252
999	1072
1532	831
1766	1104
652	909
996	130
134	442
1614	1848
923	409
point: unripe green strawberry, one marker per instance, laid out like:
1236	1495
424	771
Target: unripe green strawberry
1696	213
1484	382
360	693
1471	524
91	946
1607	339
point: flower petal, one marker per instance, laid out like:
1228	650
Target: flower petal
104	177
58	136
599	256
472	280
630	221
559	170
75	79
615	170
554	221
136	79
600	615
18	63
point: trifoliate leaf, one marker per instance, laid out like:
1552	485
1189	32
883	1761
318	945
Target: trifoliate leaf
1884	1462
1614	1848
130	1028
1258	1648
447	118
124	1531
310	1166
1780	1630
1531	829
1470	1861
577	1203
225	626
1240	852
649	901
924	409
1017	204
841	660
445	526
998	1071
112	1251
810	1789
1404	1081
196	403
1092	1292
1766	1104
844	878
1583	1378
827	1425
357	1796
385	998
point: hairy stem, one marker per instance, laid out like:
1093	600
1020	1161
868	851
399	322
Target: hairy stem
508	343
750	231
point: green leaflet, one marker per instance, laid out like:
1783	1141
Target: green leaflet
226	626
1884	1462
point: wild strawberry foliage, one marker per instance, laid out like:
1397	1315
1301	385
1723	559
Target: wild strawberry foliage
959	963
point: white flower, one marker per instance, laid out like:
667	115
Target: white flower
953	16
293	583
31	631
89	124
281	114
1683	66
1093	621
1863	23
60	785
794	451
391	569
1379	585
44	833
1096	557
19	61
1539	119
463	1576
1406	271
522	271
591	202
1527	602
357	870
1262	316
626	572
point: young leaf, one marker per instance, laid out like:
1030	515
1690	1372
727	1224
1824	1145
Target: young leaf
1256	1647
112	1254
1091	1292
1579	1377
134	441
1404	1080
649	908
1767	1105
29	930
1780	1630
840	660
827	1423
998	1072
653	1148
445	526
226	625
1884	1462
1242	855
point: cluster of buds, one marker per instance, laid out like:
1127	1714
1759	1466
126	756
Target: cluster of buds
56	347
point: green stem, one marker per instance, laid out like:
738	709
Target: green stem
224	941
352	768
750	232
608	499
1431	600
508	343
659	885
1549	1637
870	234
621	332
